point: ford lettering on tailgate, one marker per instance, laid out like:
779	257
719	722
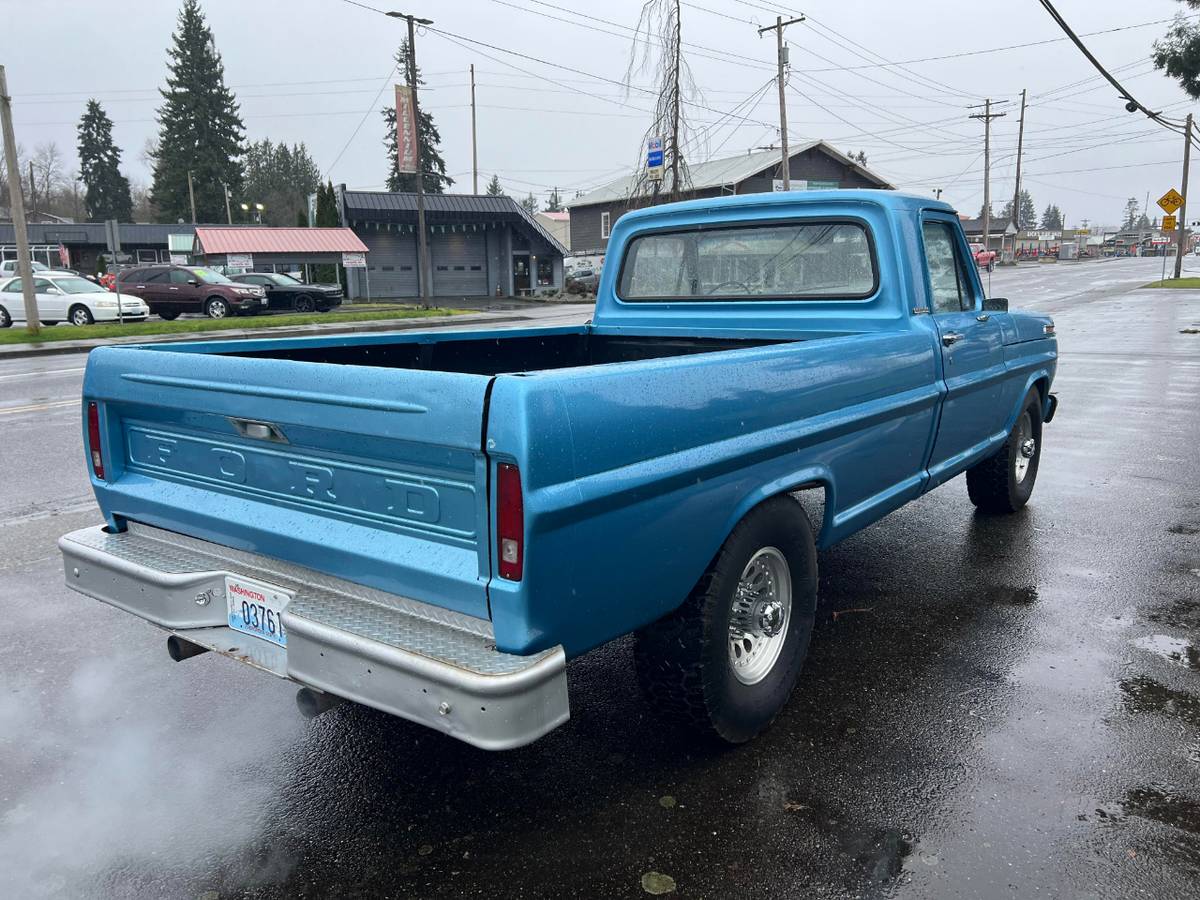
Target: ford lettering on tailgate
431	504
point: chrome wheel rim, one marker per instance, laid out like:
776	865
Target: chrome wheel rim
1026	447
216	310
79	317
762	611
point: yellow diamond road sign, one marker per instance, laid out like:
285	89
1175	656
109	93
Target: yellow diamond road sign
1170	201
1168	223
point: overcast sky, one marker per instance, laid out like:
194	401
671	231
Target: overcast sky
308	70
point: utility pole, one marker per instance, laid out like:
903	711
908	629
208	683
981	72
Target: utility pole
32	189
1182	222
781	61
474	153
1020	141
192	196
228	212
17	205
987	115
423	272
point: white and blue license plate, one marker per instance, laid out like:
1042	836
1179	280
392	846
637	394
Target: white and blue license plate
256	608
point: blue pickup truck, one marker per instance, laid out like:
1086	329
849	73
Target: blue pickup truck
432	524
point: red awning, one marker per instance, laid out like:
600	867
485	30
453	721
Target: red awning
278	240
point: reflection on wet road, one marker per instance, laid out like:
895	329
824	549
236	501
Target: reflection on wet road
992	706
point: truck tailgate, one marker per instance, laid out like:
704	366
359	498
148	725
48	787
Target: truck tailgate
368	474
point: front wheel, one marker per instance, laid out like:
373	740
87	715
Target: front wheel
725	662
5	318
305	304
170	316
1004	481
216	308
81	315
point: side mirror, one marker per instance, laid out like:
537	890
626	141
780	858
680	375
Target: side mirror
995	304
53	290
194	282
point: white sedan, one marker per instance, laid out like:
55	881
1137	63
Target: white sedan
67	298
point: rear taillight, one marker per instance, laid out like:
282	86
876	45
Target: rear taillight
510	522
93	419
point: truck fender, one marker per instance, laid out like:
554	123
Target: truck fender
814	476
1042	375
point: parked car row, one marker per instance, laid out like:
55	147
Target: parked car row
167	291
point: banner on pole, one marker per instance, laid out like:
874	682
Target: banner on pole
406	131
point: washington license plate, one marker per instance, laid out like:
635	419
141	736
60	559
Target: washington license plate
256	608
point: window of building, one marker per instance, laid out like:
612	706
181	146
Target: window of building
545	271
605	227
805	260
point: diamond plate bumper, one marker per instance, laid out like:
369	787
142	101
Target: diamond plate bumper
408	658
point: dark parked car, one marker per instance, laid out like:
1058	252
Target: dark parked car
285	292
583	281
171	290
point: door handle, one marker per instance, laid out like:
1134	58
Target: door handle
174	289
982	317
950	338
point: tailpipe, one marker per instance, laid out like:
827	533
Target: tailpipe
180	649
313	703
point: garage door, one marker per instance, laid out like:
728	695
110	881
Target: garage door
459	264
393	263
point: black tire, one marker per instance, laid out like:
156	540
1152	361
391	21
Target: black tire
997	484
304	304
168	316
216	308
49	322
5	318
684	661
991	267
80	315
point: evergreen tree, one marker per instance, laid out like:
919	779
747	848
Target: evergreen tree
494	189
200	128
1028	217
1052	218
301	219
280	178
554	204
435	178
326	216
1131	213
530	203
106	190
983	208
1143	223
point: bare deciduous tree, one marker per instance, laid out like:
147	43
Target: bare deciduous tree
658	46
48	171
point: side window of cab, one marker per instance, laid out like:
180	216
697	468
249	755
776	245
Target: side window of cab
949	285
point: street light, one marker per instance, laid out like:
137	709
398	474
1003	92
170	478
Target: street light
258	211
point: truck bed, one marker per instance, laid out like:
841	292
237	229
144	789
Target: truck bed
508	354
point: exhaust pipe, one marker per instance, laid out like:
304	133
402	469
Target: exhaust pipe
313	703
180	649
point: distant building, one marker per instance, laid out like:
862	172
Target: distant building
1001	232
480	245
558	224
813	166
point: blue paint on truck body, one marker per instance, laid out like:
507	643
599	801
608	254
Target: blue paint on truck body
634	472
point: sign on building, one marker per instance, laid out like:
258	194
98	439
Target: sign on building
406	131
798	184
239	260
354	260
179	259
654	158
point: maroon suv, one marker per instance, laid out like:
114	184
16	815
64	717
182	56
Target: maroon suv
171	290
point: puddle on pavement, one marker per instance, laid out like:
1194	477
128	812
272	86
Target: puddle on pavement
1184	528
881	852
1175	650
1165	807
1143	694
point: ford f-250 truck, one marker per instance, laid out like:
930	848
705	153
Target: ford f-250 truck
433	524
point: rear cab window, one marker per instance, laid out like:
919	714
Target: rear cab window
812	259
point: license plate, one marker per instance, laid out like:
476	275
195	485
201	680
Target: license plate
263	302
256	608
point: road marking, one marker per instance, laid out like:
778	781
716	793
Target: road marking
40	374
36	407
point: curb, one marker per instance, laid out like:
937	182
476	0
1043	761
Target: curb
58	348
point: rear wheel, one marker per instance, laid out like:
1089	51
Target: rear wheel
168	316
1004	481
5	318
305	304
80	315
216	307
48	322
725	662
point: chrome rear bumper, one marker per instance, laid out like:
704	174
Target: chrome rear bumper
408	658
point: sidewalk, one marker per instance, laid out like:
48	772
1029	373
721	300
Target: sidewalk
52	348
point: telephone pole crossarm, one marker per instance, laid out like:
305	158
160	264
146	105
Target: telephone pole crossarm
987	115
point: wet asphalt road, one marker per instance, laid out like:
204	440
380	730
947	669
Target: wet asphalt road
993	707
